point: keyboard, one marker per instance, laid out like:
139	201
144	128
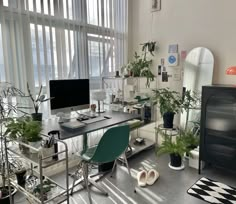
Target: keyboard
93	120
73	124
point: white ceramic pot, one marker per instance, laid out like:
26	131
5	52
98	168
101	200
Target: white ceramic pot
47	152
35	145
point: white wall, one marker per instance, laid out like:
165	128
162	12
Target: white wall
188	23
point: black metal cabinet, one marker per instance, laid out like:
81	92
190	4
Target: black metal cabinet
218	126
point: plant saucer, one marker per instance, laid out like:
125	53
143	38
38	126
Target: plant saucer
177	168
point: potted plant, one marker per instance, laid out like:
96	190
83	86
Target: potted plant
32	134
141	66
176	150
149	47
190	140
46	188
40	98
17	129
26	130
7	108
20	171
191	100
169	103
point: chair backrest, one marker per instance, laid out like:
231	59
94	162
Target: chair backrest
112	144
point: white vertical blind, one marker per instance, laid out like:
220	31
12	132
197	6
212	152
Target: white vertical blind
60	39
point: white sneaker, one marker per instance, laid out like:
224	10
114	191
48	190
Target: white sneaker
152	176
142	178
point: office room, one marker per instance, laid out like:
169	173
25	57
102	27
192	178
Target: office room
117	101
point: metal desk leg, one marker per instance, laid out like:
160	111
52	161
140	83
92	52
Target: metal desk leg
85	142
85	147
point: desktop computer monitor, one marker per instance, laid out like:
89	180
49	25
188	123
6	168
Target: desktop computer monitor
69	95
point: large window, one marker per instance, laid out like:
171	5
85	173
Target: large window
53	39
2	70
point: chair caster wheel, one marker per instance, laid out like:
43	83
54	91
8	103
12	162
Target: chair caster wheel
135	191
106	194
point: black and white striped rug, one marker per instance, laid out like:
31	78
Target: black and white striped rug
213	191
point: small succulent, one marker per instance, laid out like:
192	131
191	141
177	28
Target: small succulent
47	186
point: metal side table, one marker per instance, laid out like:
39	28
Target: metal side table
174	131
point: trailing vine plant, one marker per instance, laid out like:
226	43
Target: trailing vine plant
141	65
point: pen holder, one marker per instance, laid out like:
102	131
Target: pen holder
47	152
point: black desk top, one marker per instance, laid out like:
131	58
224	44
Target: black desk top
66	133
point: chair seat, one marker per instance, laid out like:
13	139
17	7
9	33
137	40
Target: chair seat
88	154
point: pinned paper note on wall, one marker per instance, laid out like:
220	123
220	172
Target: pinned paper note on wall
183	54
173	48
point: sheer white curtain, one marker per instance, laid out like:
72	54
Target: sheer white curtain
60	39
107	36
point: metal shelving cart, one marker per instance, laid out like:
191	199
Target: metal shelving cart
60	193
129	87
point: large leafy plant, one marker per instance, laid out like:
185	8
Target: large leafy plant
24	128
168	100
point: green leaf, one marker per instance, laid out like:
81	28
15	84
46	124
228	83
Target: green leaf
169	101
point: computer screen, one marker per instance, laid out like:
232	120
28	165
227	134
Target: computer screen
69	95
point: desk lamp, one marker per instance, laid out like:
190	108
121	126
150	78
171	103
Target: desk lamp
99	96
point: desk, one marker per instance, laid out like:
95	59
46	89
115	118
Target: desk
66	133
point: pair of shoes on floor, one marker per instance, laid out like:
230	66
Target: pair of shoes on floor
147	177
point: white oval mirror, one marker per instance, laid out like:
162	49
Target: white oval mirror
198	71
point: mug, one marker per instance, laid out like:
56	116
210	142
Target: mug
93	107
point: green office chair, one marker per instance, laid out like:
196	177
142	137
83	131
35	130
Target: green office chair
111	146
